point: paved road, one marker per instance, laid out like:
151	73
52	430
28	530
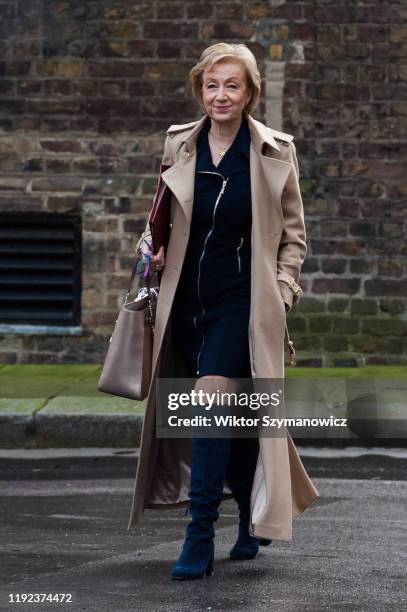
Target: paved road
64	522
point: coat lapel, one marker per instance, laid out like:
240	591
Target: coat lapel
180	178
268	174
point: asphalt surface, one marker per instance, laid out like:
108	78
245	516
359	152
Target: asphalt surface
64	516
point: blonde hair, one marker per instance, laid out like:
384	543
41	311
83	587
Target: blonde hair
213	54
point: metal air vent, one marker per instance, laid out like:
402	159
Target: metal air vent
40	269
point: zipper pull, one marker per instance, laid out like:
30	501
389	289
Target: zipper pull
238	254
291	349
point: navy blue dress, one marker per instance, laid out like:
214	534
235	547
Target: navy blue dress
212	303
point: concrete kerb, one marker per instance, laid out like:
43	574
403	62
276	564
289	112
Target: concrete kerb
70	430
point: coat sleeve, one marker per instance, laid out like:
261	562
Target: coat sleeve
145	237
292	248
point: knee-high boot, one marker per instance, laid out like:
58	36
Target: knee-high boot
210	458
242	466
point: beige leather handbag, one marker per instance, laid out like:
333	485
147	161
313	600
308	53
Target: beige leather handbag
127	368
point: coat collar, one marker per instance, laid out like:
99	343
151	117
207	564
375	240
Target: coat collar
267	174
259	134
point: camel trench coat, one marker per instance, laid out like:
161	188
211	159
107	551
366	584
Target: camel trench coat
281	487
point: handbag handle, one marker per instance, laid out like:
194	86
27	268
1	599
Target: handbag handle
148	279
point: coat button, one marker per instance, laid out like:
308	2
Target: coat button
171	135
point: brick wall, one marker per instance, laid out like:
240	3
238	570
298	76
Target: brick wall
88	89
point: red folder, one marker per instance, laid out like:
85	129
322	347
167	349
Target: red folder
160	214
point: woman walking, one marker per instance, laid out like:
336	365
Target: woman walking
230	273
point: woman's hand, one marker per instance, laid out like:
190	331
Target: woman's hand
158	260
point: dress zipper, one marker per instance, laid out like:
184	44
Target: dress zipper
224	181
238	254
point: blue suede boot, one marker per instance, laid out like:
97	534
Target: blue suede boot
242	466
210	458
246	547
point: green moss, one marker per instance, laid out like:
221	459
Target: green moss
42	381
307	186
71	388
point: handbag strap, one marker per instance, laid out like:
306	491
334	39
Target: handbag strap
151	319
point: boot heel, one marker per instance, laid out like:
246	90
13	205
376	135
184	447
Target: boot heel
264	542
184	570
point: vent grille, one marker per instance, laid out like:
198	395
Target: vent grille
40	269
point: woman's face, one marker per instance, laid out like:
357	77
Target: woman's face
224	90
